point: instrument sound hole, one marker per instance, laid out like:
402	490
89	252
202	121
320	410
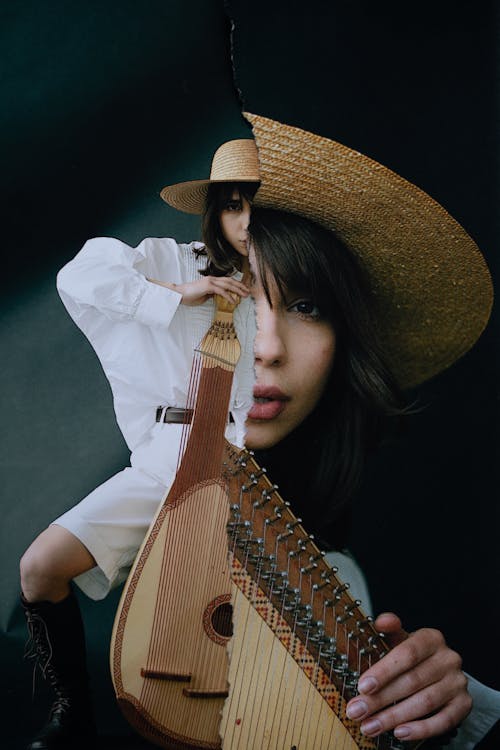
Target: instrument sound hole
222	620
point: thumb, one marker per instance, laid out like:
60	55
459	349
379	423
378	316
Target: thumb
391	626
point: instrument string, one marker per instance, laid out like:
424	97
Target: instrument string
162	635
288	666
312	684
237	669
313	687
209	669
162	642
299	683
181	531
288	662
256	672
205	669
212	670
275	655
283	672
262	674
253	679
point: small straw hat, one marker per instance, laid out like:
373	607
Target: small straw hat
234	161
432	289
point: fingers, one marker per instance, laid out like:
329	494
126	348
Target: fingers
197	292
390	625
423	715
418	689
442	722
447	699
227	287
401	659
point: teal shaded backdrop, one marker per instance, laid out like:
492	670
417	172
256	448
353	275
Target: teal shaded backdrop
102	105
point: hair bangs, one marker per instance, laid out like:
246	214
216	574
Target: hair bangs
294	256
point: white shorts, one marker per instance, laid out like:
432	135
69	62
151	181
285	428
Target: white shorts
113	520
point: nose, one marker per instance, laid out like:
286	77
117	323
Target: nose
269	346
245	215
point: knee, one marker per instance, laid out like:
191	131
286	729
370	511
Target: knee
38	578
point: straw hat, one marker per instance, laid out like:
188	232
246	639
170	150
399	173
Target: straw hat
432	289
234	161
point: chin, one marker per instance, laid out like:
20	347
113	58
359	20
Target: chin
260	436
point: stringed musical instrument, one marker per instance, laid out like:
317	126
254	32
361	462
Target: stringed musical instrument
168	648
233	631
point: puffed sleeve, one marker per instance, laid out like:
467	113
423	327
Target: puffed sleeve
110	277
484	715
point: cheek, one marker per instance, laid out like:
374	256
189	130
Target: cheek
318	357
224	225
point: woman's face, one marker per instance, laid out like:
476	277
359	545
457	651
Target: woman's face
234	220
294	353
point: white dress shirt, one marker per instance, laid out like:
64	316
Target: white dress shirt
143	336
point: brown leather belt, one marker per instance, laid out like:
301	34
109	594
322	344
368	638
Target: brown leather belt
176	415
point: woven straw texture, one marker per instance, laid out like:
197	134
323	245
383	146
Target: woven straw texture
234	161
432	289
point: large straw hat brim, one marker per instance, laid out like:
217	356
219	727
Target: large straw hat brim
432	289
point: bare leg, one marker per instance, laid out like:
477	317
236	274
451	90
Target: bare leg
51	562
57	635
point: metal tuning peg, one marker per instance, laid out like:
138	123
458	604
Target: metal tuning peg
250	485
258	474
348	611
308	569
276	517
319	586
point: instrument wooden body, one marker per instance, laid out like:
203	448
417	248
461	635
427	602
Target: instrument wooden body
279	676
168	648
152	684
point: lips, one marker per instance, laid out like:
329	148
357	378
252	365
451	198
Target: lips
269	402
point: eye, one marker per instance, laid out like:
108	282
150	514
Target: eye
233	205
306	309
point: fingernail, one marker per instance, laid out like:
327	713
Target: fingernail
367	685
371	727
402	732
356	710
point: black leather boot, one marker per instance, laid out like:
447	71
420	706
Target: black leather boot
57	643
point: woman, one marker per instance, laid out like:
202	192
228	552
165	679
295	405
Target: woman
325	386
144	310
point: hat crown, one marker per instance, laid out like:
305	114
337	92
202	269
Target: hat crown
236	161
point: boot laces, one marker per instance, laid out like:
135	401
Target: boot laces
60	706
38	647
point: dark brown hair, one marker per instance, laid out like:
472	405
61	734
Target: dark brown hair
223	259
332	444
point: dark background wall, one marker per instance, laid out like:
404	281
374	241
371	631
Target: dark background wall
103	104
414	86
